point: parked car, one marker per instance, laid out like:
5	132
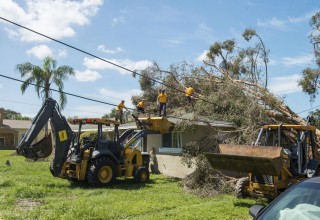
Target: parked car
301	201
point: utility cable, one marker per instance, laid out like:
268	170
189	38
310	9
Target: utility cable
107	61
94	100
104	60
67	93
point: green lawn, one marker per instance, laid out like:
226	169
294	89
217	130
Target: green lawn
28	191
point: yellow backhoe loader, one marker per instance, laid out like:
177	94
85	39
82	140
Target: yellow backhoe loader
97	162
282	155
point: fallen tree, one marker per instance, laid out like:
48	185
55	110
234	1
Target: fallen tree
231	85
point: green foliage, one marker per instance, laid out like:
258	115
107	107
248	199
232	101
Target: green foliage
310	76
91	135
45	76
316	116
9	114
29	191
315	21
310	82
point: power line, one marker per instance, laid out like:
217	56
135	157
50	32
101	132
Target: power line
24	103
308	109
55	90
104	60
82	97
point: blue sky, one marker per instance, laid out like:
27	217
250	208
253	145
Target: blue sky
133	34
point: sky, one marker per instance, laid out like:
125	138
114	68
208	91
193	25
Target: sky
133	34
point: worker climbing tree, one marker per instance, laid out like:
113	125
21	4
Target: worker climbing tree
119	111
189	92
141	106
162	103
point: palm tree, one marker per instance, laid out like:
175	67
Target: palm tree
44	77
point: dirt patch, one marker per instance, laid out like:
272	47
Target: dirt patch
28	204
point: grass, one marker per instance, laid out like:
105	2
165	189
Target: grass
28	191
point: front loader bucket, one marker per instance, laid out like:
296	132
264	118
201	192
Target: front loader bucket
260	160
42	148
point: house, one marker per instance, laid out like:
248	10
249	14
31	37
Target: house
166	148
12	131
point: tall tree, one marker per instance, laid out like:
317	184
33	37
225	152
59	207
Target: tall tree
43	77
310	81
261	50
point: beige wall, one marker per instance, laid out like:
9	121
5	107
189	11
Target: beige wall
170	165
24	131
154	140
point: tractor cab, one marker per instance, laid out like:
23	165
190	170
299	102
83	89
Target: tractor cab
98	141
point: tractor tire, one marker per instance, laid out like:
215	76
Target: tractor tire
102	172
241	184
142	175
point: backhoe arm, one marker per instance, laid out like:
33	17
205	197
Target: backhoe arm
62	137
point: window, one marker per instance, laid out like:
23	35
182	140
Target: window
1	142
172	140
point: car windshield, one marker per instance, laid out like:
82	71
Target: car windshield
301	202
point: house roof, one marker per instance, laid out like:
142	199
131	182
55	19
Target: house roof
17	124
88	127
190	117
25	124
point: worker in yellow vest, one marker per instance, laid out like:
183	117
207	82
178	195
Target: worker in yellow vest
189	92
162	103
141	106
119	111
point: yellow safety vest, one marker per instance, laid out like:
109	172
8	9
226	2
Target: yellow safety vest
162	97
189	91
141	104
120	106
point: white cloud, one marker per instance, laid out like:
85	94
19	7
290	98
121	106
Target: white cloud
273	62
120	19
103	49
297	61
303	18
274	22
94	63
117	96
40	51
204	32
87	76
62	53
0	86
173	41
202	56
43	50
285	85
48	17
282	24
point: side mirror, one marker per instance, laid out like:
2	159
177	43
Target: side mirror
255	209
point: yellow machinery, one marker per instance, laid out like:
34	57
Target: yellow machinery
97	161
282	155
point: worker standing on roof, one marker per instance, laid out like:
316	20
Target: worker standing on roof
189	92
141	106
119	111
162	102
